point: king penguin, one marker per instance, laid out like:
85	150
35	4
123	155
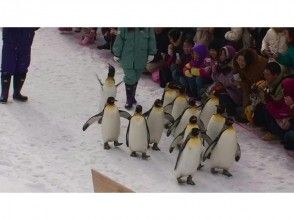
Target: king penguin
224	150
216	124
155	121
110	119
171	92
208	110
108	88
180	124
138	137
179	104
189	158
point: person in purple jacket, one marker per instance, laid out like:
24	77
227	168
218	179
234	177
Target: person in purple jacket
231	96
16	57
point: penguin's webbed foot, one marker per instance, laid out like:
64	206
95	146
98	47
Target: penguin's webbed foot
155	147
227	173
200	166
145	156
180	181
213	171
106	146
116	143
190	180
134	154
100	121
171	149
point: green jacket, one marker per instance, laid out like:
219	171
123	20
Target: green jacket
133	47
287	59
275	88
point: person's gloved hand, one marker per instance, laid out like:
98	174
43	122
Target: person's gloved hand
150	58
116	59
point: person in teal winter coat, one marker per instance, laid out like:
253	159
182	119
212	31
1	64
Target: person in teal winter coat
133	49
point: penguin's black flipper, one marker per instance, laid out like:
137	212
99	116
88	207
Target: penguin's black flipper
174	125
124	114
100	82
92	120
206	138
170	104
238	153
169	117
182	149
146	114
176	141
201	125
148	132
127	134
117	85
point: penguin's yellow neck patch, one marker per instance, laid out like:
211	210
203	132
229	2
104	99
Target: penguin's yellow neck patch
218	117
190	126
110	107
109	81
137	117
231	129
194	142
158	109
171	92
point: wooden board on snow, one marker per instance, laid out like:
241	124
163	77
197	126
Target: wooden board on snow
104	184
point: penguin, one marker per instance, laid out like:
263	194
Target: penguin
138	137
183	135
216	124
108	88
110	122
155	121
208	110
224	150
179	104
170	94
189	158
180	124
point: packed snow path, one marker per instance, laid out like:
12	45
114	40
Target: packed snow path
43	148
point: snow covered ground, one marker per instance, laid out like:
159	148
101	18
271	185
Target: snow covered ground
43	147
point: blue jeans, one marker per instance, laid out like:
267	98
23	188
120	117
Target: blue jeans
195	85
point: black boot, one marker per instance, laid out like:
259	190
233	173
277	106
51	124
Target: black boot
129	93
18	81
134	94
5	84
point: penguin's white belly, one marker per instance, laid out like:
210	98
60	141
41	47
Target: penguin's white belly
155	123
110	125
224	152
108	91
138	135
214	128
167	100
179	107
189	161
207	112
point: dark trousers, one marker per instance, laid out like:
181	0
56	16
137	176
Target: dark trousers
289	140
264	119
227	102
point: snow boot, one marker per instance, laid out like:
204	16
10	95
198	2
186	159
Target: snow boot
104	47
129	94
18	81
5	84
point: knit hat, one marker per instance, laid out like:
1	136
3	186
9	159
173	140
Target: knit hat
202	51
230	52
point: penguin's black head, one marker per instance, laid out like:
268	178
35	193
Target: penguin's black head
158	103
111	71
229	121
182	90
111	101
193	119
138	109
220	109
192	102
172	86
195	132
